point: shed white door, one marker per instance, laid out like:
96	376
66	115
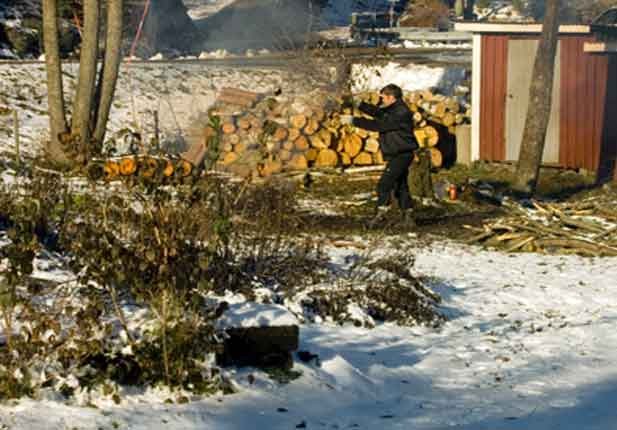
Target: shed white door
521	58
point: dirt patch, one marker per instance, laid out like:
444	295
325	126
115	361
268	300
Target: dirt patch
343	204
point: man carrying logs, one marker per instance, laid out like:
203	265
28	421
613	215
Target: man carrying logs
394	122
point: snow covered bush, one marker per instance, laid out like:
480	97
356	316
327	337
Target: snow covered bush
373	290
137	312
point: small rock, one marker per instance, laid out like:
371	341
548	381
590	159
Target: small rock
306	356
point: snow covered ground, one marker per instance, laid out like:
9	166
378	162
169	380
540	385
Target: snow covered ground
179	92
530	344
409	77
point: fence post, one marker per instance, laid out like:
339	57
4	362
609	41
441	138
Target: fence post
16	131
157	137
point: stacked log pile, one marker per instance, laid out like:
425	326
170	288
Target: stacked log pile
144	167
262	136
561	228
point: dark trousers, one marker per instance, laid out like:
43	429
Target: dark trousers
394	179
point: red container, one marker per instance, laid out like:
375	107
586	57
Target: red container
452	192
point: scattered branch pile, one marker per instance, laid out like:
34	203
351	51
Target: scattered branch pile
587	227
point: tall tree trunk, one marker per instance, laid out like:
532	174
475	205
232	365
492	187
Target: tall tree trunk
540	99
55	96
469	5
109	76
82	107
459	8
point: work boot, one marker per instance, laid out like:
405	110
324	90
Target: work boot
378	220
408	218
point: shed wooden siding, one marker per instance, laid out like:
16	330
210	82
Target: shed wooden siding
583	93
493	97
521	59
607	169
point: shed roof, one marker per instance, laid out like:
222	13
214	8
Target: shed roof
601	47
481	27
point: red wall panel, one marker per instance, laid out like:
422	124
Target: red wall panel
493	97
607	169
584	80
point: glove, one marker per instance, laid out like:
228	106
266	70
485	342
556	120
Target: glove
346	119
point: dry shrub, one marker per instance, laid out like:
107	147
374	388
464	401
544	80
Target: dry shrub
383	290
157	250
130	248
425	13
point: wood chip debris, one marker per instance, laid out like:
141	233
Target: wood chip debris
587	227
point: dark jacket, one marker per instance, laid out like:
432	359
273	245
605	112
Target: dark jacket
394	124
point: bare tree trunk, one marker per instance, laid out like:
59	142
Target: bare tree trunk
469	5
55	96
82	107
109	76
459	8
540	99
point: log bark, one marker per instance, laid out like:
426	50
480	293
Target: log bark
301	144
352	145
229	158
228	128
363	159
297	162
436	157
271	167
240	93
317	142
297	121
235	100
280	134
311	127
371	145
244	123
326	158
293	134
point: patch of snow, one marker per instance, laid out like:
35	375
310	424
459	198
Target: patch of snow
13	23
530	344
219	53
180	92
409	44
409	77
7	53
156	57
341	33
250	314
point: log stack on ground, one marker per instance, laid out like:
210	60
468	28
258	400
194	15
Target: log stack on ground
148	168
301	132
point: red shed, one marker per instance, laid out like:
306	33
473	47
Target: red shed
582	129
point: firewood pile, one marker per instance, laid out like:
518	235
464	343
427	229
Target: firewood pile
586	228
262	136
157	169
